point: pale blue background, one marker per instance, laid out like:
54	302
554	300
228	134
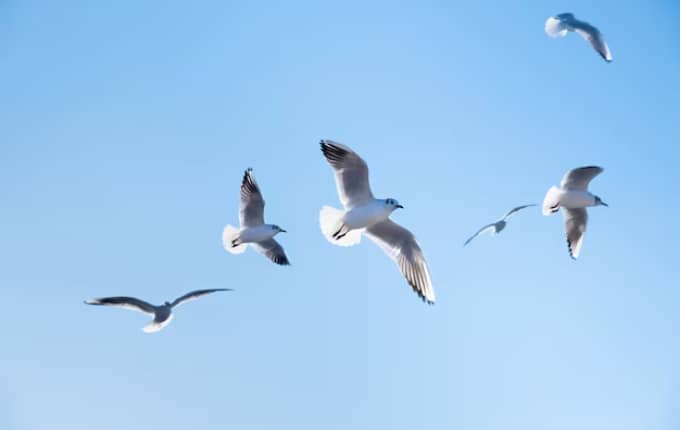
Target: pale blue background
126	127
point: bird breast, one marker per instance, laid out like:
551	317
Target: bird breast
256	234
366	215
162	313
576	199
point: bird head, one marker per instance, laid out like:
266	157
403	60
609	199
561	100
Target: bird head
278	229
599	202
393	204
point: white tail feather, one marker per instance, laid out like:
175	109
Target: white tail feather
551	201
330	222
228	235
157	326
555	27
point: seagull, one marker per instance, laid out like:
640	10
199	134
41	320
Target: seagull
573	196
363	213
253	229
558	26
162	315
498	226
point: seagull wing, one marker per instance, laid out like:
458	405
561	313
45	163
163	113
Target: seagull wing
575	227
196	294
273	251
401	246
351	173
251	213
578	179
512	211
130	303
480	231
594	37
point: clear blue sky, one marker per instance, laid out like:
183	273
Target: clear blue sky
126	127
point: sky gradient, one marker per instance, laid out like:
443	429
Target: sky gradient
126	128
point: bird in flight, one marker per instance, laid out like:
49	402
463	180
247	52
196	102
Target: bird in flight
253	230
498	226
560	25
364	214
162	315
573	196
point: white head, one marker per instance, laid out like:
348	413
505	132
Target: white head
393	204
599	202
276	229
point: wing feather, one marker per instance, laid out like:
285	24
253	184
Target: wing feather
129	303
272	250
480	231
351	174
578	179
251	213
402	247
575	227
195	295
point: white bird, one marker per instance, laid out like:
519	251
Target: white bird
162	315
573	196
253	229
498	226
559	25
363	213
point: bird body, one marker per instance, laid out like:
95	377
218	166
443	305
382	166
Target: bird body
162	314
573	196
497	226
576	199
257	234
162	317
559	25
253	229
364	214
368	214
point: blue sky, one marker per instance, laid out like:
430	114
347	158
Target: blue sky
126	130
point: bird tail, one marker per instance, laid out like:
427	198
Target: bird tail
551	202
554	27
230	240
157	326
330	220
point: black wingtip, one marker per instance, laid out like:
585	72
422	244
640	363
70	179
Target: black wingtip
332	152
281	260
249	183
571	251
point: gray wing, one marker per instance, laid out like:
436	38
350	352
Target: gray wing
401	246
272	250
351	174
480	231
575	226
251	213
593	36
129	303
566	17
578	179
196	294
512	211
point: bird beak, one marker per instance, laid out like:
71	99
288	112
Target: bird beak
400	207
283	231
603	203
